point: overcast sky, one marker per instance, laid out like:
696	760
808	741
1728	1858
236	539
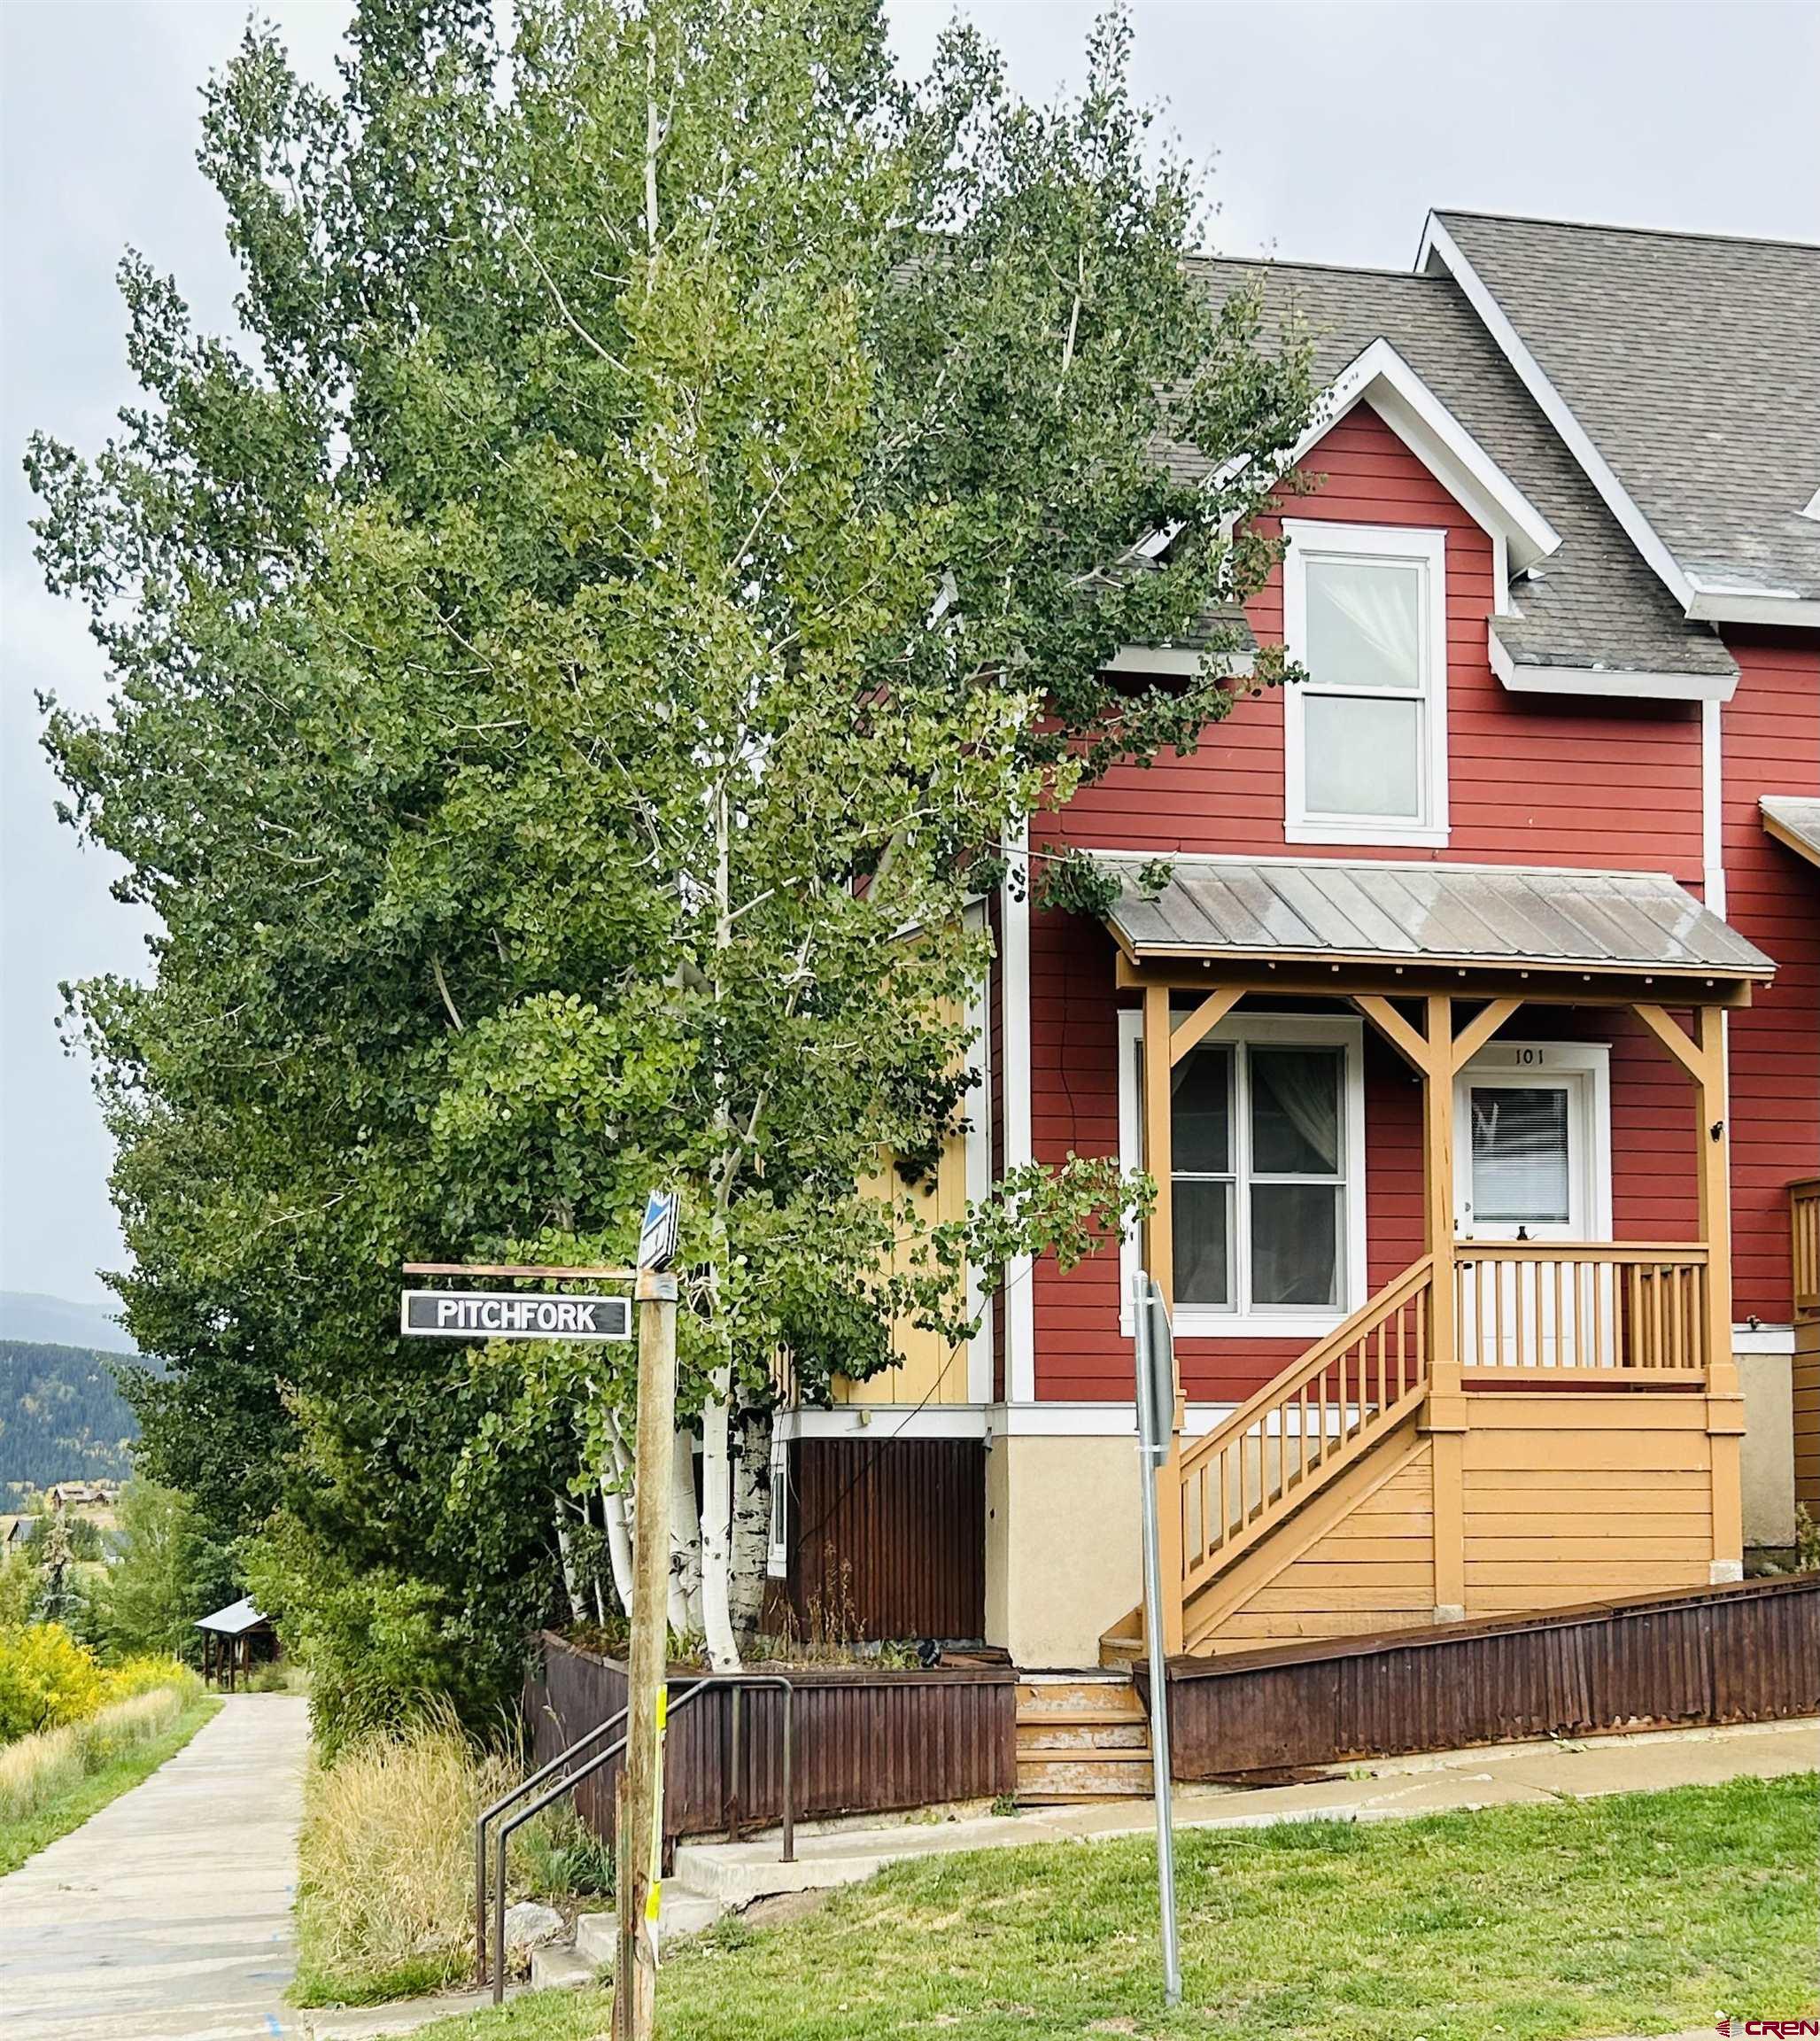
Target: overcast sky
1331	128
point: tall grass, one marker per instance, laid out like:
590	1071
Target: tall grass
37	1770
385	1887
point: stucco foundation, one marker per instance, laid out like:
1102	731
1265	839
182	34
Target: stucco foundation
1063	1559
1766	1461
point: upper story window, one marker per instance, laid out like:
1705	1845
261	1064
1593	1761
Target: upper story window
1365	614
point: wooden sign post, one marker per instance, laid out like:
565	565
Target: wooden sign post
635	1973
476	1315
639	1891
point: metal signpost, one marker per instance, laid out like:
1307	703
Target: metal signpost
1156	1408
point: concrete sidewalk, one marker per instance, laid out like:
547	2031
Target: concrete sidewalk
1386	1789
166	1916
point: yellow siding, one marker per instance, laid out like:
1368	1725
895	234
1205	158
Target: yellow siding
932	1372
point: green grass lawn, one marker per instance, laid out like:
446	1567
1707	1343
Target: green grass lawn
1638	1914
21	1839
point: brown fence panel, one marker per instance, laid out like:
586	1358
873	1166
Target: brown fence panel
865	1740
888	1536
1748	1653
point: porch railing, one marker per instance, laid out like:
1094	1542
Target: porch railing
1603	1307
1302	1428
1804	1219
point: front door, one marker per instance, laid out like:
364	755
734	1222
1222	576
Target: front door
1532	1164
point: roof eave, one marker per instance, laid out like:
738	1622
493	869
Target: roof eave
1633	685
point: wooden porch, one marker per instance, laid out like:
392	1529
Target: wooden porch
1507	1424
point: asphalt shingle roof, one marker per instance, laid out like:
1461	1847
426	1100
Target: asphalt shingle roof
1692	363
1594	603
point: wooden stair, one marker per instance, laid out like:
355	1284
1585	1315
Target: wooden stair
1080	1736
1237	1488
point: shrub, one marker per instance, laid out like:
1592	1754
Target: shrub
39	1769
46	1679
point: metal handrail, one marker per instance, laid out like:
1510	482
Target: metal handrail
738	1681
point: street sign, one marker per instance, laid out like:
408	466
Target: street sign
657	1236
474	1314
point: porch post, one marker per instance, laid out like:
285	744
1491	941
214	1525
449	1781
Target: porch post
1724	1395
1703	1058
1445	1418
1159	1259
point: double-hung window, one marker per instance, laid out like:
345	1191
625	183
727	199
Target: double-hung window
1366	733
1266	1183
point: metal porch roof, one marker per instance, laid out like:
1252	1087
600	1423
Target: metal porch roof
1327	910
1793	820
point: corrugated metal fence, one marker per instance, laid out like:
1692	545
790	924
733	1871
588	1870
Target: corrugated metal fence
866	1739
1748	1653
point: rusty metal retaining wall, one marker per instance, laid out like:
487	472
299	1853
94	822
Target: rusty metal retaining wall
866	1739
1749	1653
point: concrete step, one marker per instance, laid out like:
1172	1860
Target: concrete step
728	1875
559	1969
1104	1774
682	1914
1065	1735
1093	1695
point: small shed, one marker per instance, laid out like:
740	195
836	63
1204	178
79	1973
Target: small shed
233	1641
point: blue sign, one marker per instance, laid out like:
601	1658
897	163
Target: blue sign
657	1236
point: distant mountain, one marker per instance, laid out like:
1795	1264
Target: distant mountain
56	1322
62	1415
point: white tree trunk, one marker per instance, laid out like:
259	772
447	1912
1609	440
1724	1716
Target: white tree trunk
751	1523
578	1614
684	1541
616	1501
717	1528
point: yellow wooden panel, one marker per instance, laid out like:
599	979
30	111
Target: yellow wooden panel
1613	1577
1483	1600
1681	1544
1584	1487
1592	1412
1331	1571
1344	1547
1619	1452
1620	1523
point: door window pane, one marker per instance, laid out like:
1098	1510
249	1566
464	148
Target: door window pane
1295	1112
1520	1154
1200	1113
1296	1243
1362	756
1364	624
1202	1234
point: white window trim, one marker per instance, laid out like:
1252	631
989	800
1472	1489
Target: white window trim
1428	548
1510	1061
1296	1031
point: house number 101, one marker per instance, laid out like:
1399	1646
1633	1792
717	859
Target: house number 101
1527	1058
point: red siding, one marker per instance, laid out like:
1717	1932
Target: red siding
1770	734
1532	781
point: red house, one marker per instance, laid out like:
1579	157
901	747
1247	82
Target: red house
1489	965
